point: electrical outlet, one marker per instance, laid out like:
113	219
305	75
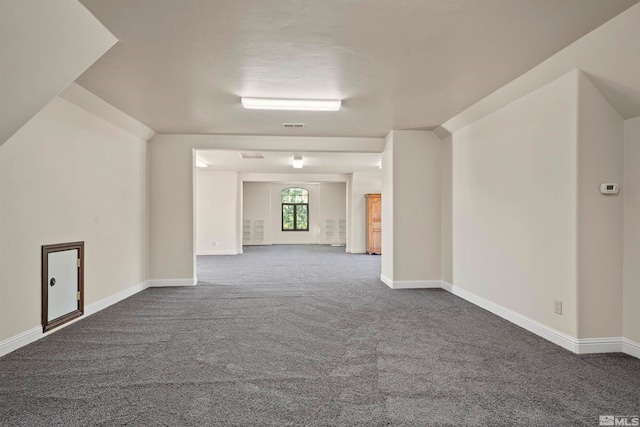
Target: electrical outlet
558	307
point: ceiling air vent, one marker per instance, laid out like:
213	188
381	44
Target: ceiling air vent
251	155
293	125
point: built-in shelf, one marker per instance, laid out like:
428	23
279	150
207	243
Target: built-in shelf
255	230
246	231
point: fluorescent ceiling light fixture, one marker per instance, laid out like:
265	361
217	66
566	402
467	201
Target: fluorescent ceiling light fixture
291	104
297	162
201	164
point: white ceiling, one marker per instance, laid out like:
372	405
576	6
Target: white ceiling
181	66
281	162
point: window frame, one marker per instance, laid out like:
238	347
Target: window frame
295	211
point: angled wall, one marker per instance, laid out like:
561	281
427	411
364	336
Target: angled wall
529	224
66	176
514	207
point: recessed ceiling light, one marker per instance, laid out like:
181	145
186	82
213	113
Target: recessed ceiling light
291	104
297	162
201	164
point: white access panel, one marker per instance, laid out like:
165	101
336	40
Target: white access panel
63	295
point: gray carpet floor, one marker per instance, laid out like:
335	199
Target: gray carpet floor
305	335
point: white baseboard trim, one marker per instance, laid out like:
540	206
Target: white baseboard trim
575	345
550	334
630	347
164	283
20	340
218	253
112	299
357	251
410	284
598	345
446	286
35	333
295	243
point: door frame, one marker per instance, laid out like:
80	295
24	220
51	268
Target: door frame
46	250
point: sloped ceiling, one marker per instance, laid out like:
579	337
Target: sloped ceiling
609	56
44	46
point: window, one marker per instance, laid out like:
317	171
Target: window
295	209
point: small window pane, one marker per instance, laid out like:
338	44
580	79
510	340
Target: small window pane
287	217
301	217
295	195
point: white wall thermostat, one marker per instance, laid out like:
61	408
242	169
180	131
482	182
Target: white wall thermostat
609	188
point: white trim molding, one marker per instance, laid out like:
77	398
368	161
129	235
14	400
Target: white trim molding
446	286
575	345
630	347
112	299
20	340
35	333
411	284
357	251
206	253
550	334
284	242
165	283
598	345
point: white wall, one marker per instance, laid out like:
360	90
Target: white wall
171	213
516	144
600	217
514	205
333	207
631	189
413	182
361	184
387	260
217	213
262	201
256	206
67	176
445	200
416	210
